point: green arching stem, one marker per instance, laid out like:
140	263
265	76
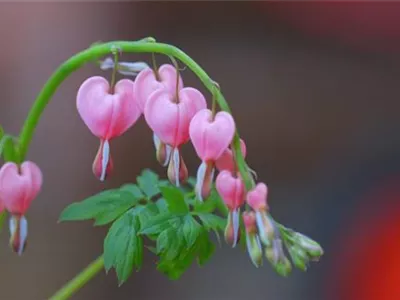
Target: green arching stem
80	280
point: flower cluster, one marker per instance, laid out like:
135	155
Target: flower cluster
176	115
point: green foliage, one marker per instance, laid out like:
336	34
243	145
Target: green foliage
123	248
175	199
148	183
174	225
104	207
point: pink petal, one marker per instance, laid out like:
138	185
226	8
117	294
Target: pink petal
146	83
103	164
204	180
170	120
231	189
257	197
226	160
211	138
18	189
107	115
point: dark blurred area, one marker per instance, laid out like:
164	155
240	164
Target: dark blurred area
314	88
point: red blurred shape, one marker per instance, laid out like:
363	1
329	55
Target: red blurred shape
370	25
367	258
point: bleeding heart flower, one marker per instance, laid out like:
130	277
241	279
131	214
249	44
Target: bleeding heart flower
18	187
169	117
147	82
226	161
108	114
257	200
232	191
210	136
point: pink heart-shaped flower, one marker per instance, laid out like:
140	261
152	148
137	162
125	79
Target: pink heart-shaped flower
19	186
170	119
146	83
107	115
211	137
231	189
257	197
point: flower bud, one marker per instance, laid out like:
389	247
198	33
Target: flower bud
124	68
299	257
277	258
284	267
311	247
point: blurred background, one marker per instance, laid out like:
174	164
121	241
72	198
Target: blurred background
314	88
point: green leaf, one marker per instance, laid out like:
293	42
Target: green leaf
163	182
123	248
164	238
3	217
212	222
191	230
133	189
157	224
148	182
162	205
205	247
174	269
207	206
175	199
104	207
175	246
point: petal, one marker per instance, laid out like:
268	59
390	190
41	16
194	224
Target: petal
18	233
146	83
235	223
103	164
205	176
17	190
226	161
107	115
257	197
163	151
170	120
231	189
168	78
210	137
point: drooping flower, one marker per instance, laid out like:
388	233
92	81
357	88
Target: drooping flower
227	161
252	239
169	117
211	136
108	113
19	185
149	81
257	200
232	191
